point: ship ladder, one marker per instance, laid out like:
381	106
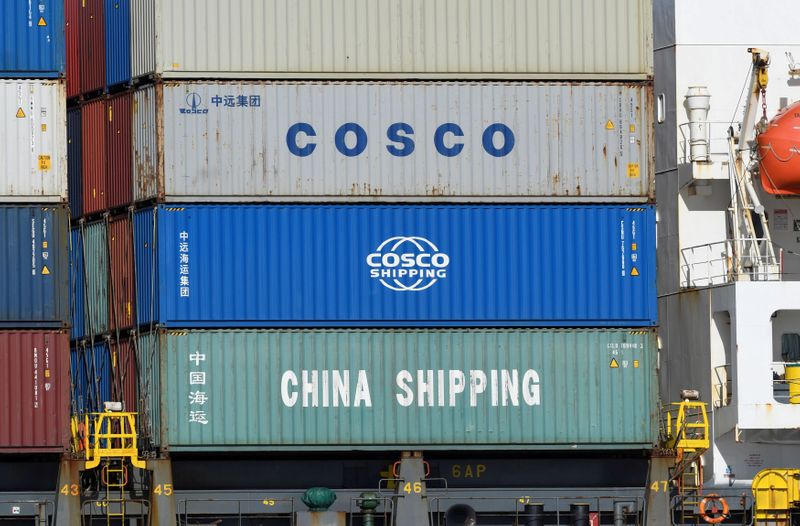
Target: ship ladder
114	477
688	435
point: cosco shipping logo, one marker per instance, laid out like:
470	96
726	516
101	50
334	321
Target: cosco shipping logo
408	264
193	101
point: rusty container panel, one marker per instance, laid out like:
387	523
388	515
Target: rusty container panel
119	149
409	141
92	46
122	280
34	391
93	156
124	373
145	143
73	46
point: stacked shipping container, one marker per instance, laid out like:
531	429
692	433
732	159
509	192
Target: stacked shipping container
100	189
34	310
463	203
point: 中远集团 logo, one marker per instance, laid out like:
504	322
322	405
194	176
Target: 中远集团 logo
408	263
193	101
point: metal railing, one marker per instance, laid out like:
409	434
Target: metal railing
719	263
722	386
717	137
242	511
685	508
781	385
554	510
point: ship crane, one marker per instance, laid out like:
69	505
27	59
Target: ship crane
752	244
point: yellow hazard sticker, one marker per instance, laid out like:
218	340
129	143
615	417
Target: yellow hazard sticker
633	246
47	373
44	127
614	364
634	272
633	170
632	128
20	113
41	22
45	271
636	364
44	163
44	244
610	125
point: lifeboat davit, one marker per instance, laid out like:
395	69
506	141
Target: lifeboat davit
779	150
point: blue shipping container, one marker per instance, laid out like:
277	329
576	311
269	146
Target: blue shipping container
90	369
118	41
74	178
34	282
366	265
32	39
77	284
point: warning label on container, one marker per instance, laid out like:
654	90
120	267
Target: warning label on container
20	113
614	364
41	22
633	170
610	124
44	163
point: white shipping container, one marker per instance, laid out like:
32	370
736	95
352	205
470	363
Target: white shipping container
548	39
255	141
33	149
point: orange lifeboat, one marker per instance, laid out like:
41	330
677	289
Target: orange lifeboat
779	150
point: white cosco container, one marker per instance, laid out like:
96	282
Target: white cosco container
258	141
33	141
554	39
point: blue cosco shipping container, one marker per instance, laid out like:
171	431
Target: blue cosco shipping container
367	265
32	38
74	179
34	280
118	41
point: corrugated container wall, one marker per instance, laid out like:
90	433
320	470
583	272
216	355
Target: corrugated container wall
77	285
118	42
34	391
74	168
366	389
119	150
400	141
143	37
33	150
32	39
92	46
410	265
91	376
564	39
124	373
73	46
34	284
95	262
93	156
122	289
147	168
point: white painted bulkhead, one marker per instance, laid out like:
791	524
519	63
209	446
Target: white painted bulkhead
723	336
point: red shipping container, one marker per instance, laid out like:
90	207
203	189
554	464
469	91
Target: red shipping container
92	46
119	150
121	290
124	377
34	391
93	156
72	37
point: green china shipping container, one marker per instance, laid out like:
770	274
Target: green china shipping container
391	389
95	265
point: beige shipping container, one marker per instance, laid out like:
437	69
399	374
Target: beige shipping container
459	39
33	149
393	141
